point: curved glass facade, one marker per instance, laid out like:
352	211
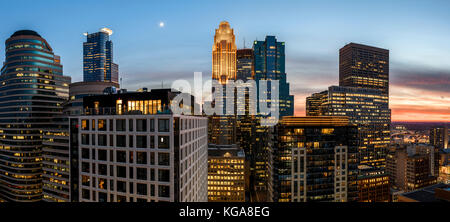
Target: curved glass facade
32	93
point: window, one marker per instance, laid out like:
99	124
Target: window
102	155
85	194
164	175
152	142
163	159
111	125
130	140
141	189
121	198
141	125
141	158
141	173
163	125
121	156
85	180
152	125
101	125
103	169
121	171
102	184
163	191
85	153
121	187
85	124
102	140
121	141
130	125
163	142
85	139
85	167
141	141
120	125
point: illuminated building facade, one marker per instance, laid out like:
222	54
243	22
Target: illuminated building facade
222	128
439	137
373	185
133	149
33	90
368	109
269	64
98	65
411	167
224	54
364	66
315	160
226	174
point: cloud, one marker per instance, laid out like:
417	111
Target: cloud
420	78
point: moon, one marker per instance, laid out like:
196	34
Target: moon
161	24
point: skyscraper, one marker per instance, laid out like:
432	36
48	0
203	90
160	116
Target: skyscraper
368	109
439	137
269	64
364	66
98	64
224	54
315	160
32	92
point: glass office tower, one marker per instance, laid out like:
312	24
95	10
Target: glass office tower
32	91
98	65
269	59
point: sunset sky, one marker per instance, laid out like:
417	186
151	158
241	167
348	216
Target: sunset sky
417	34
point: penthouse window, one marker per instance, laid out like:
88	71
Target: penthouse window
145	106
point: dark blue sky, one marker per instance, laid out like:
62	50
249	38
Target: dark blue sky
416	32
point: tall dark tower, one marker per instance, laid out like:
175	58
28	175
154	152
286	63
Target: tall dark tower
365	70
364	66
32	91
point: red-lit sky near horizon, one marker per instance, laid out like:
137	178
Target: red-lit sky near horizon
416	33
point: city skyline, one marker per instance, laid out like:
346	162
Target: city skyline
312	43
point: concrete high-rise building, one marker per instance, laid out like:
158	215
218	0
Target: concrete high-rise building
439	137
368	109
269	64
33	90
364	66
314	159
98	64
132	148
411	167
